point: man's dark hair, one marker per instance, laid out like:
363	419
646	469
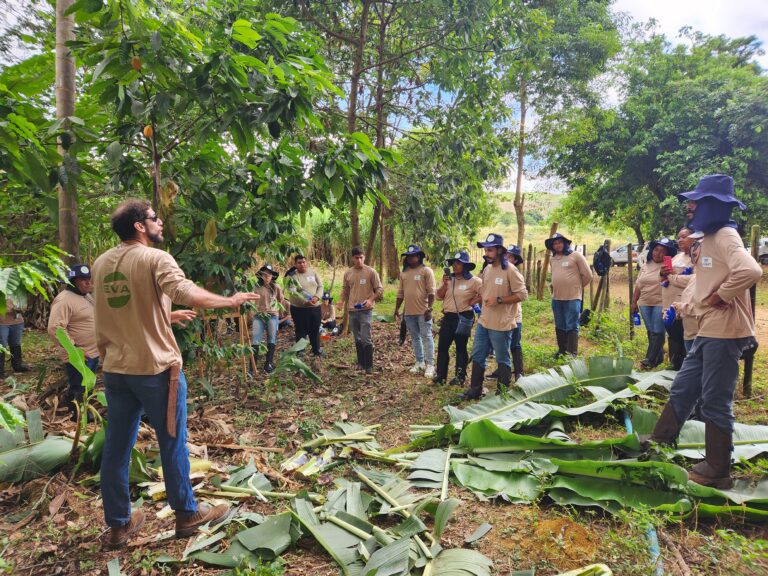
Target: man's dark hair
357	251
126	215
298	257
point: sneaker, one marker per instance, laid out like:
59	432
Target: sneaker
429	372
187	524
117	536
417	368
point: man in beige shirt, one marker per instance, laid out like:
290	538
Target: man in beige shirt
417	290
361	289
570	274
502	291
720	300
72	311
134	286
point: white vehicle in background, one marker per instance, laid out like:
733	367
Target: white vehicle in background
762	251
620	258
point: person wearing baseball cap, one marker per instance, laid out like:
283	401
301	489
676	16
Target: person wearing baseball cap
724	273
417	291
457	291
502	291
72	311
570	275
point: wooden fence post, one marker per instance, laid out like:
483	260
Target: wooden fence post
545	265
631	281
528	266
538	272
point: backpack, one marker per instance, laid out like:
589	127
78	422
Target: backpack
602	261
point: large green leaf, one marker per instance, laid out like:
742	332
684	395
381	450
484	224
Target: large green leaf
445	510
748	440
461	562
485	436
10	417
270	538
391	560
34	460
512	486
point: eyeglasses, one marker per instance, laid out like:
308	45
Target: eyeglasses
154	218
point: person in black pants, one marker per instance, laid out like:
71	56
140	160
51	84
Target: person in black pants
459	291
305	290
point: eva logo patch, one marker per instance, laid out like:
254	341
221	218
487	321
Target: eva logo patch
498	281
417	277
706	262
363	281
462	286
566	264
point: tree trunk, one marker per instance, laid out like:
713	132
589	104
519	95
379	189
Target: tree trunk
69	234
639	234
519	200
393	264
354	84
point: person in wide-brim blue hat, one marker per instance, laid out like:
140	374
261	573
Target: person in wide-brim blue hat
710	204
515	254
667	243
492	240
462	257
549	242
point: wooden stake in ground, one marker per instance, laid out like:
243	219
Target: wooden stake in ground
749	358
528	266
631	282
545	266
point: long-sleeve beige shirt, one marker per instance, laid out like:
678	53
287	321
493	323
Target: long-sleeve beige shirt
310	283
74	314
649	284
134	286
723	265
570	274
677	281
498	282
459	293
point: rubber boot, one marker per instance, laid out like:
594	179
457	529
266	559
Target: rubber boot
659	358
16	362
666	430
493	375
475	389
2	364
650	352
360	356
505	379
655	355
572	342
715	470
269	366
517	363
561	342
368	358
461	376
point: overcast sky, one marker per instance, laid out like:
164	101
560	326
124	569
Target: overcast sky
732	17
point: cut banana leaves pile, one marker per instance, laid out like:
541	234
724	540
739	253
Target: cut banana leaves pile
571	390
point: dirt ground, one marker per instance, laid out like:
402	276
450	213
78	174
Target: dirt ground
52	525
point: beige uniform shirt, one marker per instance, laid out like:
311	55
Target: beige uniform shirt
416	284
677	282
74	313
308	282
722	265
460	292
133	287
499	282
649	284
684	308
11	316
360	284
570	273
269	297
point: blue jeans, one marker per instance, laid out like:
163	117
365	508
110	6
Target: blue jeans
517	334
128	397
11	335
709	374
259	325
421	337
652	319
75	379
485	340
566	314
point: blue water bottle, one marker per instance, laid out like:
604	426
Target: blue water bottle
636	318
477	308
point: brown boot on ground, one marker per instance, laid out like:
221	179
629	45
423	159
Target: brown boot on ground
187	524
715	470
666	430
117	536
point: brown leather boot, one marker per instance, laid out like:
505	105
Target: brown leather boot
117	536
187	524
715	470
666	430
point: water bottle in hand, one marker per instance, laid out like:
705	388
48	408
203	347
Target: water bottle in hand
636	318
476	308
669	316
359	306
